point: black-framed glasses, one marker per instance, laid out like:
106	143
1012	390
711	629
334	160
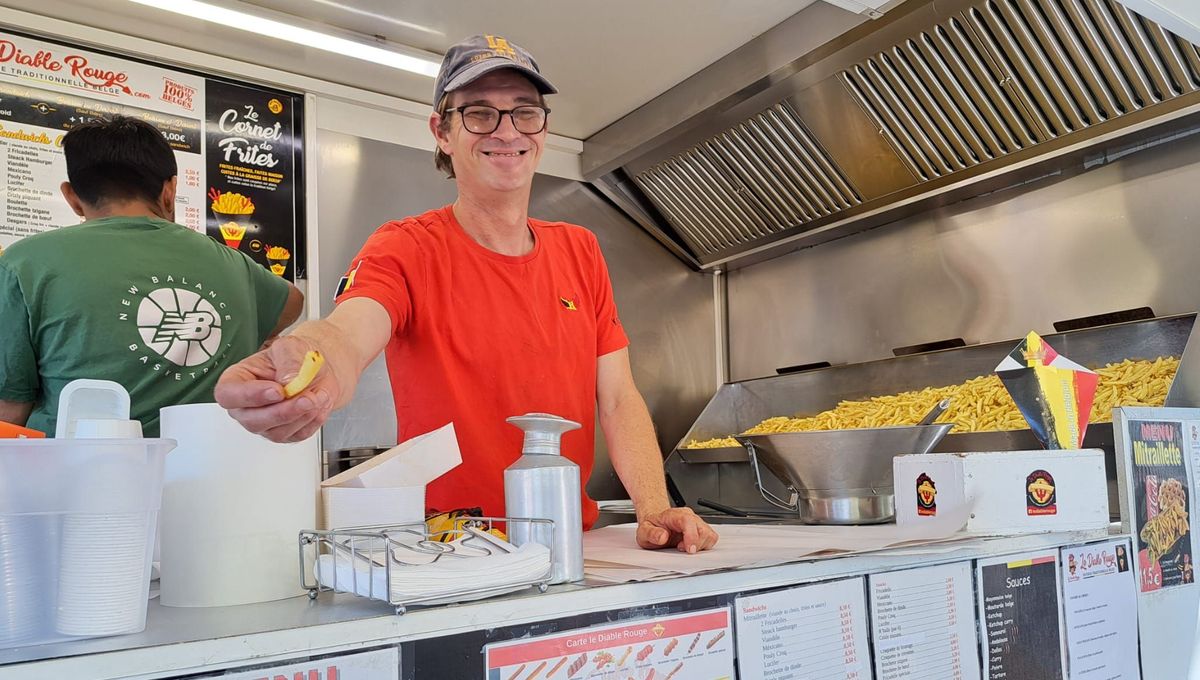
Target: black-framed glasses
483	119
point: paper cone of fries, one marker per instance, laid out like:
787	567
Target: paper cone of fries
1054	393
277	258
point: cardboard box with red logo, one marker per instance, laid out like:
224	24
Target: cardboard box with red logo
1007	492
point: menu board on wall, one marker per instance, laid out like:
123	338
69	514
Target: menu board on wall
1020	617
923	621
1157	454
815	631
379	664
251	172
1100	606
47	88
693	645
1161	490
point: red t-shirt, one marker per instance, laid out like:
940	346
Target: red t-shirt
478	336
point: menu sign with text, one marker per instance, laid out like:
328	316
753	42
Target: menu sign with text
48	88
1100	604
1161	489
814	631
379	664
693	645
251	171
1020	617
923	623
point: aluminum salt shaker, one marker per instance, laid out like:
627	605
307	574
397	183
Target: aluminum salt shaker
543	484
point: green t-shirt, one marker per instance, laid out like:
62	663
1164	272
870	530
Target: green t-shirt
141	301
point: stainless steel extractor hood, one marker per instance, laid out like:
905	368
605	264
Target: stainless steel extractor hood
1179	16
938	101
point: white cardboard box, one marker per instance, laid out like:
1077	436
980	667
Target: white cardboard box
390	488
1007	492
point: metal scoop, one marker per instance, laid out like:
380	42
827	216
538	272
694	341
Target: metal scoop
937	410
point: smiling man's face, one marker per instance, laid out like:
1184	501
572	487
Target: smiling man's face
506	159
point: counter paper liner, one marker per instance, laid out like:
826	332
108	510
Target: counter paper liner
1053	393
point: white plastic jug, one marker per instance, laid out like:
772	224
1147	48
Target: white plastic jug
95	409
77	521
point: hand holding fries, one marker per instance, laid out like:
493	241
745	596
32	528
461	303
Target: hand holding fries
253	390
313	361
281	392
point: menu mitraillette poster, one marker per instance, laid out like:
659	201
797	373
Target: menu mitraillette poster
1020	617
1155	456
1160	487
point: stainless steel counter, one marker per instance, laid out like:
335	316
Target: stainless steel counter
185	641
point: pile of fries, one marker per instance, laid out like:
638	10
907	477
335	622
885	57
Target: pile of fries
980	404
230	203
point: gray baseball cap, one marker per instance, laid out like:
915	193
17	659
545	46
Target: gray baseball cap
479	55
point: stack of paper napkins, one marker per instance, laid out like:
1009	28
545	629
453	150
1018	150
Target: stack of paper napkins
452	577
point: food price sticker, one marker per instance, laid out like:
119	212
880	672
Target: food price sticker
693	645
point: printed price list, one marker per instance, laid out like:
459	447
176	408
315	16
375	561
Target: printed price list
924	623
1019	607
817	631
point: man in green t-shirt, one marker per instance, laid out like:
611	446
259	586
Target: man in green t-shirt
128	295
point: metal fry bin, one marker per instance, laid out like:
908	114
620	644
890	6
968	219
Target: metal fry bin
726	475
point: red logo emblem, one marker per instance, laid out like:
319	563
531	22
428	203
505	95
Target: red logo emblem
1040	496
926	496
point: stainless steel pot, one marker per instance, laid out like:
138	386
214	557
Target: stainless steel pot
838	476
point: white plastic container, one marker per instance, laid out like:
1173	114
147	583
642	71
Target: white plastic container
77	522
233	505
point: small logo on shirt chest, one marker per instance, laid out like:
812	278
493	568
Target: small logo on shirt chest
568	304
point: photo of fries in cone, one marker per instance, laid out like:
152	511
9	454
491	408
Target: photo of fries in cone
277	258
1170	521
233	212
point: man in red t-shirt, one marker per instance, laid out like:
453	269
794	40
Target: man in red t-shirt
483	313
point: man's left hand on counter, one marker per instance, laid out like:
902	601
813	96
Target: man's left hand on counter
679	528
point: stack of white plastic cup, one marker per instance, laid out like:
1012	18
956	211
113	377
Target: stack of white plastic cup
103	565
101	585
26	582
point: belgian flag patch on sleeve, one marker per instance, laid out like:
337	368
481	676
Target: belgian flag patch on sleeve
346	282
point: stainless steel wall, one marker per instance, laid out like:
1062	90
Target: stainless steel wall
666	308
362	184
992	268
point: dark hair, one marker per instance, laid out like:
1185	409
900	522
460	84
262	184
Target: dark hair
120	158
440	159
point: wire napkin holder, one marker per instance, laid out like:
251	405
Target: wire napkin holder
394	545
